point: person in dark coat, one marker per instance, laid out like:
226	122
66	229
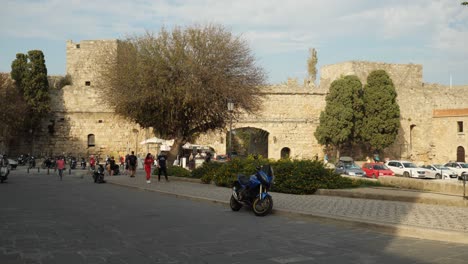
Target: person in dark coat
162	165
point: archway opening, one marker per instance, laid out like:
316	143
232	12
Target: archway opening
285	153
460	154
248	140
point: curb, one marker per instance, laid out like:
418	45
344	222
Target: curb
391	229
399	198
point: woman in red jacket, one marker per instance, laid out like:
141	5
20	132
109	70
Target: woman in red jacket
148	163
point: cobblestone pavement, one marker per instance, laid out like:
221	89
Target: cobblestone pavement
44	220
449	220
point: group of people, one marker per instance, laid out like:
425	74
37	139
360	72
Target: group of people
130	162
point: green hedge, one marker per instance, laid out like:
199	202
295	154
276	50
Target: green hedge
291	176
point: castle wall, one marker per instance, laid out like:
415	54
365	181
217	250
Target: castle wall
421	136
290	113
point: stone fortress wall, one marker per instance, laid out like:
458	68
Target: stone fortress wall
290	113
423	136
79	113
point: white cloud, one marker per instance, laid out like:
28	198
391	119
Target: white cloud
270	26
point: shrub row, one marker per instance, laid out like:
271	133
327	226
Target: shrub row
291	176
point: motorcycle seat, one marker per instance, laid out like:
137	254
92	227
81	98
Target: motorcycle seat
244	180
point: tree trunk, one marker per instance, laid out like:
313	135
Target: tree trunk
176	149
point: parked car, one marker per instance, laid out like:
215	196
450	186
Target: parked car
347	166
406	169
460	168
375	170
12	164
438	171
221	158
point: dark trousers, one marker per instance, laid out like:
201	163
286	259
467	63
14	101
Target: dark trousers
163	170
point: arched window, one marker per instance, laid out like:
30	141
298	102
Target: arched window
285	153
460	154
91	140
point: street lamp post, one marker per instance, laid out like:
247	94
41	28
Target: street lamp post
135	131
230	106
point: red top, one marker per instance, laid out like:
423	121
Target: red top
92	161
60	164
149	161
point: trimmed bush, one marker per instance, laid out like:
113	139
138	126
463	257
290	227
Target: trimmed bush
206	171
175	171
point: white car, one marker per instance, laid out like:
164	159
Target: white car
407	169
438	171
459	167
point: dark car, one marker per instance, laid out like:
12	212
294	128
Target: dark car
221	158
347	166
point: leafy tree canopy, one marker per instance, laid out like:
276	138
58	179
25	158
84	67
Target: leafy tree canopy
337	122
382	113
30	75
13	107
179	81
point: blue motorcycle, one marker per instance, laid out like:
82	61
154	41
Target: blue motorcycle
253	191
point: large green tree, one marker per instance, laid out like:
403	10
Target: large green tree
30	75
340	120
382	114
14	108
179	82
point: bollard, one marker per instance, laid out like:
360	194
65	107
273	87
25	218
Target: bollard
69	171
37	169
47	170
28	169
464	185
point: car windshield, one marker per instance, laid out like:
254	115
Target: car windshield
441	167
464	165
409	165
380	167
351	166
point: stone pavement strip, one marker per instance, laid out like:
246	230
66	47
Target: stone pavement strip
426	221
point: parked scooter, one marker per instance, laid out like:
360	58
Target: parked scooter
73	163
4	170
21	160
98	174
83	164
31	162
253	191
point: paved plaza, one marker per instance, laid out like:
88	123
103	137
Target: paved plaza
446	223
45	220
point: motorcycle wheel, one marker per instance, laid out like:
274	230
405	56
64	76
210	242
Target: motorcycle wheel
262	207
235	205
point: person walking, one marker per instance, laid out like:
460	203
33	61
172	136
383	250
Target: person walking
148	163
61	166
132	163
111	166
162	162
92	162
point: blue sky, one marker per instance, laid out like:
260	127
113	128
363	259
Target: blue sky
432	33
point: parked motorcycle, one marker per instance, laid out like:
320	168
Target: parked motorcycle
4	170
73	162
31	162
47	164
83	163
253	191
21	160
98	174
